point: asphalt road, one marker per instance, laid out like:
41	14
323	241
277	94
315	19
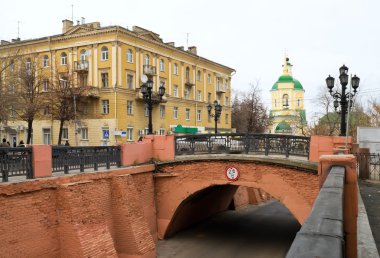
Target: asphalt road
260	231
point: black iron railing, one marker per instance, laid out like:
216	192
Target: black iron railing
16	162
368	165
242	143
81	158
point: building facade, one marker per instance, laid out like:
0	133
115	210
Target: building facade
288	114
110	62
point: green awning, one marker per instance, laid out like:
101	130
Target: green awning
181	129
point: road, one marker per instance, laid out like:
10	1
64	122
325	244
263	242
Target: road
260	231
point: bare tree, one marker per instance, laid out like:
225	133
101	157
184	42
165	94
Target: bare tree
32	82
64	94
374	111
249	114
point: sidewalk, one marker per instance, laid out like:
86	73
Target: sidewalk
370	193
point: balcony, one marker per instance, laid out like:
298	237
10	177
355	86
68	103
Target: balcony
81	66
155	97
189	82
149	70
91	92
221	88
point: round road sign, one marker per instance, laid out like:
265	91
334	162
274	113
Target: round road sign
232	173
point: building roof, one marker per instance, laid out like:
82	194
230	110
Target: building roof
283	127
287	79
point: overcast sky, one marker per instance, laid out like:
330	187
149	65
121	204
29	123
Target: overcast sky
249	36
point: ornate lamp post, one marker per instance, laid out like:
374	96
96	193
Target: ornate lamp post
147	90
341	98
218	111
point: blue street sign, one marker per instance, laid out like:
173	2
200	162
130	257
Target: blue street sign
106	134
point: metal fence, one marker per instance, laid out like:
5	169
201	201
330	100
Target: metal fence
368	165
81	158
242	143
16	162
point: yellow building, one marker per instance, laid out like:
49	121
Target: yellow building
287	113
110	62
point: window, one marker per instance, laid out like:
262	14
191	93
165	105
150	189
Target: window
187	114
175	112
208	78
130	56
105	106
46	135
199	76
299	102
130	134
162	131
147	60
45	85
175	90
226	118
83	55
45	62
129	107
84	133
65	133
175	69
12	89
12	111
104	77
285	101
129	81
104	54
199	96
199	115
275	103
12	66
162	65
187	73
226	101
209	97
47	111
162	111
187	92
28	64
146	110
63	58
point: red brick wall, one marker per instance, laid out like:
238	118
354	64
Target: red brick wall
296	189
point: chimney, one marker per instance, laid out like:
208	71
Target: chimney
171	44
192	50
83	21
181	48
67	24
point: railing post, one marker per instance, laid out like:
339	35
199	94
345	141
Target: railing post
66	163
95	160
108	158
117	154
5	175
192	144
267	145
287	146
81	158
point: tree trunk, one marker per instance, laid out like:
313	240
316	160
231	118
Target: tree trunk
60	131
30	128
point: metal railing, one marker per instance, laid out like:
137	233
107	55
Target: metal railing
368	165
242	143
16	162
81	158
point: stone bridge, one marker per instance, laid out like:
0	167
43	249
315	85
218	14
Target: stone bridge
122	212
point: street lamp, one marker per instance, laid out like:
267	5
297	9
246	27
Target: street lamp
341	98
147	90
218	111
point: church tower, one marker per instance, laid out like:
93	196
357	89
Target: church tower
287	113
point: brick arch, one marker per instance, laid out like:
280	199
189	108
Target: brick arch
178	185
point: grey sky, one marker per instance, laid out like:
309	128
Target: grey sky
249	36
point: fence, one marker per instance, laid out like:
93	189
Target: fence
368	165
242	143
81	158
15	162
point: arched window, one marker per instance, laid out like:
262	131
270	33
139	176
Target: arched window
285	100
63	58
199	76
104	53
45	61
299	102
275	103
162	65
208	78
175	69
147	59
83	55
28	63
187	73
130	56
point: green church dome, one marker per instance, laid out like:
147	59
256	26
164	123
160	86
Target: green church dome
283	127
287	79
